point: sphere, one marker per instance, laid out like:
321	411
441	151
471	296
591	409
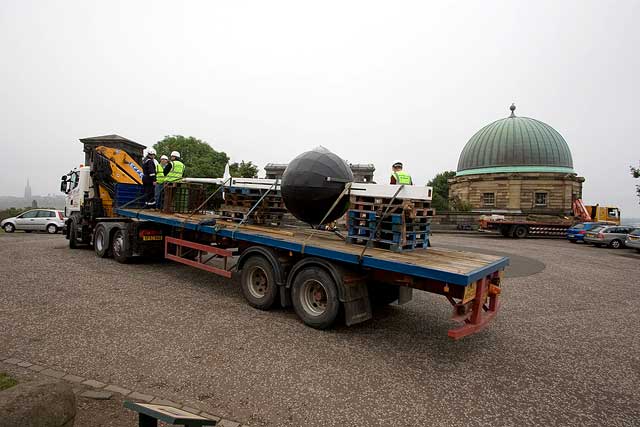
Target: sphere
311	184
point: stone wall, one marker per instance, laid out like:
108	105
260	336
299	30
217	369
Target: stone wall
515	192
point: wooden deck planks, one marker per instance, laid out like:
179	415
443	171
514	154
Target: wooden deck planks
435	258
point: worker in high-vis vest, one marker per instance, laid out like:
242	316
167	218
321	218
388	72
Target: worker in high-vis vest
399	176
160	179
175	168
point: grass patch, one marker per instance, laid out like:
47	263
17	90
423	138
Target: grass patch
6	381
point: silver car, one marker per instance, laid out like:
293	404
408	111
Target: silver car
610	235
633	240
49	220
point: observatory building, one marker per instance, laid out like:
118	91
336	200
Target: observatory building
516	166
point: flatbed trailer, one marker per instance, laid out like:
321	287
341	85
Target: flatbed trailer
313	270
523	228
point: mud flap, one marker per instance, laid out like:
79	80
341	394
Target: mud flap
357	307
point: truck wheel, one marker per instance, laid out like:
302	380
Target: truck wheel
520	232
73	234
101	242
616	244
9	228
119	247
258	283
381	294
314	296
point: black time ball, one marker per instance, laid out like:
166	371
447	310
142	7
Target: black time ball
311	184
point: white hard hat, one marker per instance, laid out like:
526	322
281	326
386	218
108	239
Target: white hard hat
164	157
175	154
151	150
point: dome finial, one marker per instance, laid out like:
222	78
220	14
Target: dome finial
513	109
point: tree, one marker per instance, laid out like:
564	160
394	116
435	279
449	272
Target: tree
635	172
201	161
440	184
243	170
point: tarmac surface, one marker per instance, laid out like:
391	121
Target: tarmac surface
564	350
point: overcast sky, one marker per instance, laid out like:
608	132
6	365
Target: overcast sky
373	82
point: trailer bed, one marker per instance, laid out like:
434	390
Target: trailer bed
443	265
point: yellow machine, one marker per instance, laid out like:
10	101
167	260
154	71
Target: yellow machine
113	166
603	213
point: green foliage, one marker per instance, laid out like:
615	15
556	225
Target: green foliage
200	159
243	170
6	381
11	212
459	205
440	184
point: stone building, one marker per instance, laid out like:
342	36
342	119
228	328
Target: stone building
516	166
361	172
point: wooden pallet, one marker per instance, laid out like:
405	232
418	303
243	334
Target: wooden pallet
239	201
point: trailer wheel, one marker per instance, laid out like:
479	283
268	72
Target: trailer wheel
258	283
101	242
119	246
520	232
314	296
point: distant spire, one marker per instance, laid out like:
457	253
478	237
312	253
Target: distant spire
513	109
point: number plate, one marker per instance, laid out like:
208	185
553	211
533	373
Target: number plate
152	238
469	293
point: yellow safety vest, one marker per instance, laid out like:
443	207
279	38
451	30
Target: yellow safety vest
160	178
175	174
402	178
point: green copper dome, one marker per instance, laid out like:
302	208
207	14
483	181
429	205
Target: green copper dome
515	144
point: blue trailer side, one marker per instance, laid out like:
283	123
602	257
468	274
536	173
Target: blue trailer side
470	281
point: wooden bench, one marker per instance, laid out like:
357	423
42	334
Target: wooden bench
150	414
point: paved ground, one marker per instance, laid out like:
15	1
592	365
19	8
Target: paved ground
565	349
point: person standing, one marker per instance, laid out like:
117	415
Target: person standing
160	179
149	177
399	176
174	169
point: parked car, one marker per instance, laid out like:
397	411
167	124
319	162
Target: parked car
633	240
49	220
611	235
576	233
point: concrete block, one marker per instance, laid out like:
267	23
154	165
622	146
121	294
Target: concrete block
46	402
94	383
117	389
140	397
53	373
97	394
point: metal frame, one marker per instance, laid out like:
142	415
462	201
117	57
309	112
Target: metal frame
199	263
476	314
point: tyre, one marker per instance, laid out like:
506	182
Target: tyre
616	244
314	295
101	243
381	294
73	234
520	232
120	246
52	229
258	283
9	228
